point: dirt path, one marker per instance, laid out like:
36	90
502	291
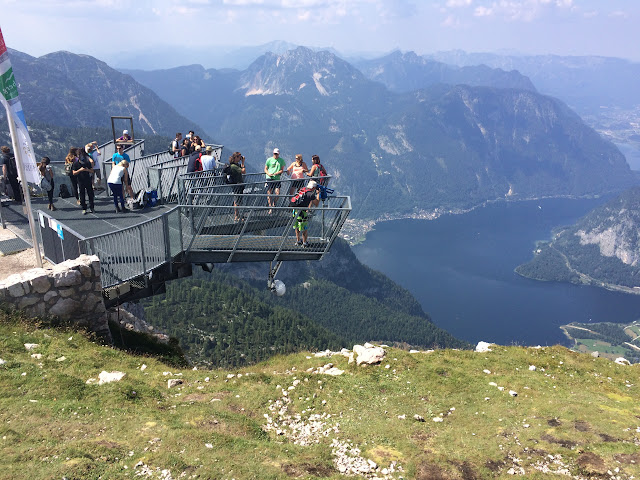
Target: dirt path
16	262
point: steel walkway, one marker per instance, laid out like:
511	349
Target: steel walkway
196	223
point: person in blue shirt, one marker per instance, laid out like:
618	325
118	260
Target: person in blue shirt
120	155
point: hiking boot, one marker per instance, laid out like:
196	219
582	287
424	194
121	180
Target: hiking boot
91	210
298	243
117	209
84	212
305	244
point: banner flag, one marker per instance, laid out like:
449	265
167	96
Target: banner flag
11	102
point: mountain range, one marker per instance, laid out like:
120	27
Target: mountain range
451	146
405	152
68	90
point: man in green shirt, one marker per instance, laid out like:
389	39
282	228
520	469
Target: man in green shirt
273	168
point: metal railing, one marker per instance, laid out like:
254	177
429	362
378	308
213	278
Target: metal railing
59	242
250	226
191	186
143	179
135	251
138	168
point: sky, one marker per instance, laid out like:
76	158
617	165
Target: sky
104	28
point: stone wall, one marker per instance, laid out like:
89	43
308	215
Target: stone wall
71	291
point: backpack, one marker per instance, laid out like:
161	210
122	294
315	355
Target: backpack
321	171
64	191
228	174
298	199
197	163
141	200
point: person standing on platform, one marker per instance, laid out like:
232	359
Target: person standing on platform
82	169
119	180
69	160
10	171
273	169
120	155
47	172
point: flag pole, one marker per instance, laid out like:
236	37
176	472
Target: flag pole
17	151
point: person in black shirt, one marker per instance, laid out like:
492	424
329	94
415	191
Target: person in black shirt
10	171
82	170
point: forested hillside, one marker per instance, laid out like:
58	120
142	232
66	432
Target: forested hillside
602	248
226	325
229	318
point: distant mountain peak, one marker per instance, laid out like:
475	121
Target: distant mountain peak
299	70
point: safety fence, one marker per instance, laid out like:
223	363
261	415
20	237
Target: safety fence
138	250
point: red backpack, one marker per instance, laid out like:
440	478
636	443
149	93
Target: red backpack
298	199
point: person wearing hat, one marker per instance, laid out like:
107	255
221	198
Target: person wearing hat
273	169
310	197
208	160
125	137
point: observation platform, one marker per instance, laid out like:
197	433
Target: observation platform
199	219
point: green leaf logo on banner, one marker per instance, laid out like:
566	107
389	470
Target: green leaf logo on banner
8	85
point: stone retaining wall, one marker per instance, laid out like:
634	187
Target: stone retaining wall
71	291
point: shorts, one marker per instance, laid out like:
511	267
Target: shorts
301	220
272	185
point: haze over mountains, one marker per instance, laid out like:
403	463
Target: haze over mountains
442	145
429	136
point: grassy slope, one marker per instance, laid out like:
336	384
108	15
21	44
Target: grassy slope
580	410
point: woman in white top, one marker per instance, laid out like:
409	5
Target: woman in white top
119	173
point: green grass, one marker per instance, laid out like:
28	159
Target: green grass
54	425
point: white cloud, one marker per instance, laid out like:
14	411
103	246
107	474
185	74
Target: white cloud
619	14
458	3
483	11
451	22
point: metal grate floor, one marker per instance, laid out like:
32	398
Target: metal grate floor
13	245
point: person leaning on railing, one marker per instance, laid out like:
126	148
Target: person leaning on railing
317	170
297	171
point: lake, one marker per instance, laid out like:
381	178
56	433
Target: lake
460	269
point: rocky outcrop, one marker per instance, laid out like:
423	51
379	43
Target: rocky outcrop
70	291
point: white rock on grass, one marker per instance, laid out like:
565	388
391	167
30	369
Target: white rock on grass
107	377
174	382
2	362
532	368
368	354
31	346
622	361
483	347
